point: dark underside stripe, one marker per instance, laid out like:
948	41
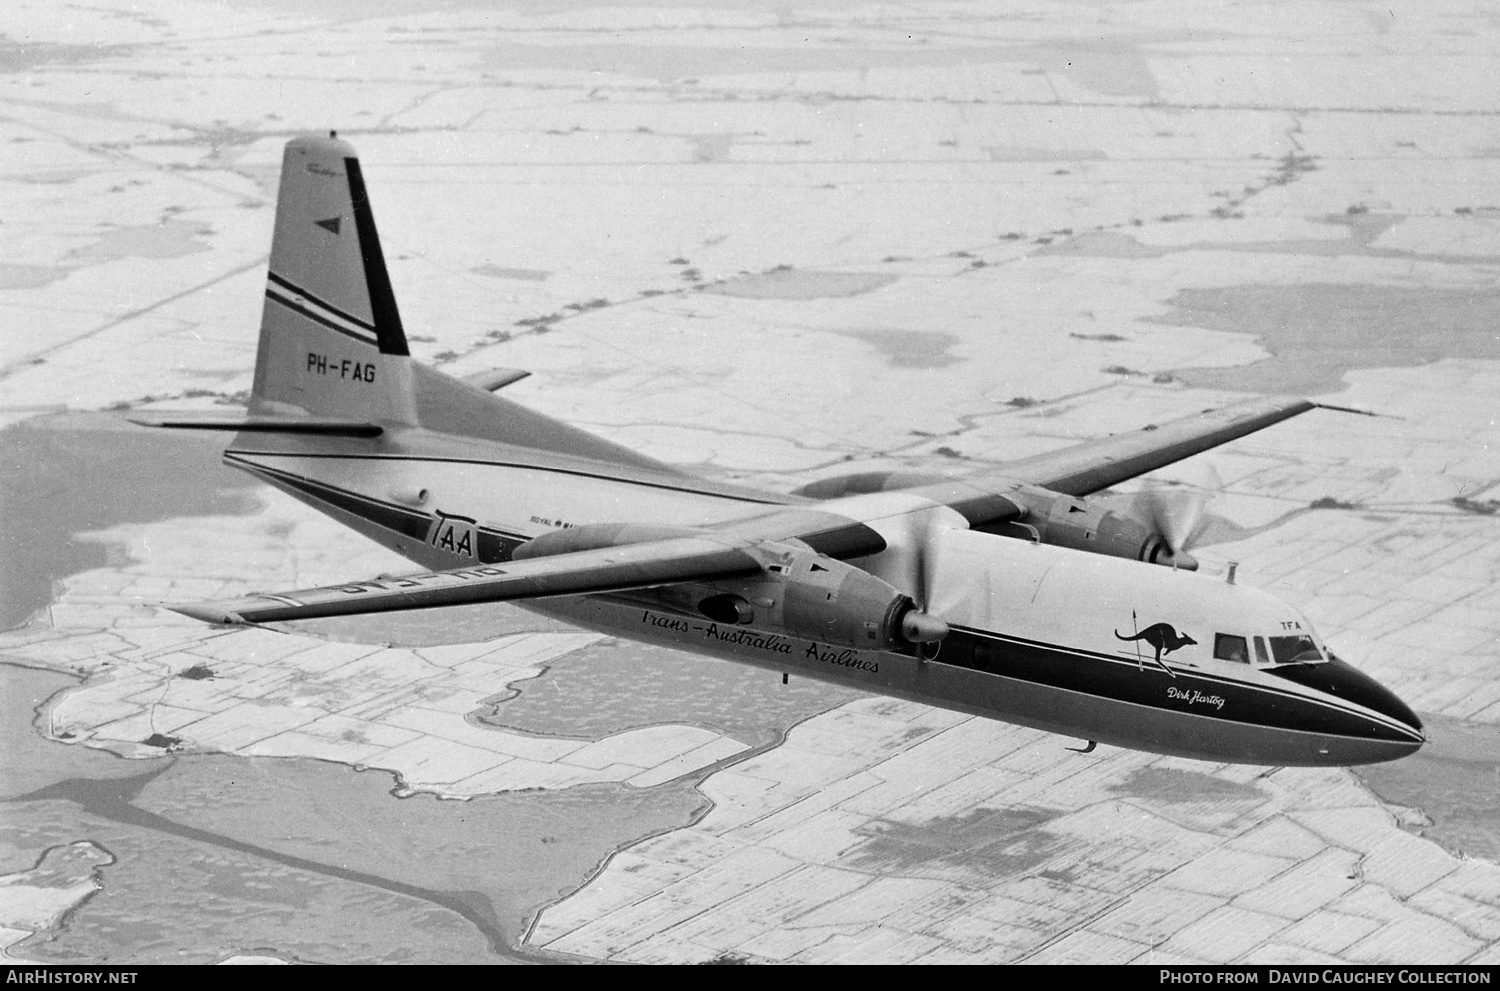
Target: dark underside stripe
494	545
1120	679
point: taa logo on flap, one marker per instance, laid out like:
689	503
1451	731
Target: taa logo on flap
455	534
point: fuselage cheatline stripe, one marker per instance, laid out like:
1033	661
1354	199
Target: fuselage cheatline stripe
389	515
1273	693
1130	662
320	319
1262	711
319	301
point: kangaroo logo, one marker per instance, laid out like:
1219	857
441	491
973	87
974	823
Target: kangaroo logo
1162	636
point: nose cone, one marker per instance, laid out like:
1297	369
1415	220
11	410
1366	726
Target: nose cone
1356	686
1392	729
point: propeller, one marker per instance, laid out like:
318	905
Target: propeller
1178	516
920	626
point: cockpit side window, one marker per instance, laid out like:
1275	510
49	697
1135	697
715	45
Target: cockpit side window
1262	656
1228	647
1295	650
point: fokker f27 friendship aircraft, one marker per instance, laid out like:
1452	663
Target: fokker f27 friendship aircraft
1005	595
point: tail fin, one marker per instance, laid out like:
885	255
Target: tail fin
333	359
331	342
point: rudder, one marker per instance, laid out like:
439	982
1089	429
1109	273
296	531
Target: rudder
331	340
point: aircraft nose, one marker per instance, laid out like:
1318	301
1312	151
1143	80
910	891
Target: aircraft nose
1347	682
1394	732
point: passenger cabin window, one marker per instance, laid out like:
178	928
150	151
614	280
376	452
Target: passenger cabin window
1262	656
1295	650
1231	648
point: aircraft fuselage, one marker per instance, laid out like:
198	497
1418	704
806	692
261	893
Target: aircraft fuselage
1078	644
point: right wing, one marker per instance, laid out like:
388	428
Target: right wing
1079	470
605	569
1097	464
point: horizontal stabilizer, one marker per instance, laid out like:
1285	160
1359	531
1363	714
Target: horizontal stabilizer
607	569
259	422
496	378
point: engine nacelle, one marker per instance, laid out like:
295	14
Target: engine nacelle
802	593
1064	521
833	602
799	592
1047	516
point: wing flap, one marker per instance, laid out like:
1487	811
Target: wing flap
608	569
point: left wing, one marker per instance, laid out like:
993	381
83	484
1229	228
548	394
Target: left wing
587	560
605	569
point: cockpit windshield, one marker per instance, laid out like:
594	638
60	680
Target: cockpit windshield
1300	649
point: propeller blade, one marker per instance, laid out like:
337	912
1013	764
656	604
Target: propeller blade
1178	515
923	535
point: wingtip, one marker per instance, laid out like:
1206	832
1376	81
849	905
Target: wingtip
1354	409
211	613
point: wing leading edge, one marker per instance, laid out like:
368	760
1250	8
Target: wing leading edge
606	569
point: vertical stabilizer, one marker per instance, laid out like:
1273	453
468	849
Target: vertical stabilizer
331	341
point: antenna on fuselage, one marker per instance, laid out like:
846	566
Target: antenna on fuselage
1135	627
